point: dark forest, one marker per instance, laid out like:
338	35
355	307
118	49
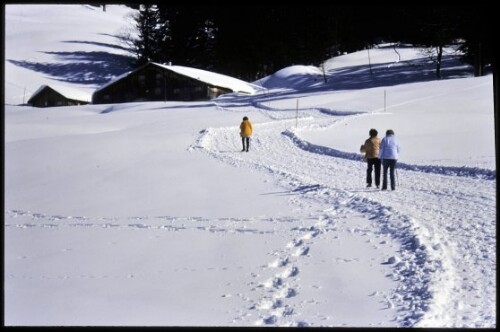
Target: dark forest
252	41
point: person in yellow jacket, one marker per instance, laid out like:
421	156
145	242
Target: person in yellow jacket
245	133
371	150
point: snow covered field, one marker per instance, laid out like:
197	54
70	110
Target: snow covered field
148	213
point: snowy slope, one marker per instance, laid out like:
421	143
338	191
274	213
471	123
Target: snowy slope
148	214
292	77
384	65
74	45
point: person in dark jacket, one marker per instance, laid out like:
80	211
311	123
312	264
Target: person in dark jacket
371	149
245	133
389	150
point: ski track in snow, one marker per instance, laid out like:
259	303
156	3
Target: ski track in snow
28	219
439	215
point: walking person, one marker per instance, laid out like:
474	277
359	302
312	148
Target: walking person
389	150
371	149
245	133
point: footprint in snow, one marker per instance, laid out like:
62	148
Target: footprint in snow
270	320
301	252
291	272
279	263
275	282
294	243
267	304
287	293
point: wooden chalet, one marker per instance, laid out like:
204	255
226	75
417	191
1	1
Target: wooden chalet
50	96
159	82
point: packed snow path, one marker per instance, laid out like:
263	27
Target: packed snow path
444	223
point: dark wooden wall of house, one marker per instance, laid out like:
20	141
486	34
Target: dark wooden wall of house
50	98
153	83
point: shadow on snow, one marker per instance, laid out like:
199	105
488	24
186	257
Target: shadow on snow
82	67
474	172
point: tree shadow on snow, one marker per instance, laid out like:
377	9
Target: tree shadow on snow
97	44
92	68
364	77
392	73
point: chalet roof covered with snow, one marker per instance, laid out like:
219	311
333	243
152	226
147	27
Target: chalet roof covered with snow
67	92
215	79
205	76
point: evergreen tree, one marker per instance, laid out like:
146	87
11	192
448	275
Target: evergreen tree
164	35
191	35
438	27
147	46
477	31
252	41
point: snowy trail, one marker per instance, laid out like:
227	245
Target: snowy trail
442	215
429	242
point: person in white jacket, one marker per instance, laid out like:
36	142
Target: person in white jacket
388	153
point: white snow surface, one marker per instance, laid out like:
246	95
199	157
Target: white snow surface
148	214
297	76
386	53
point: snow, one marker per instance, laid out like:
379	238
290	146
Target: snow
385	53
148	214
297	76
78	46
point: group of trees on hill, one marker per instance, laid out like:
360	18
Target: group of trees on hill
251	41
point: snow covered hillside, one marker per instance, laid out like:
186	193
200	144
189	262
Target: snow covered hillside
78	46
148	214
385	65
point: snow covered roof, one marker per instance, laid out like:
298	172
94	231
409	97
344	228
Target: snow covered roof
212	78
205	76
67	92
